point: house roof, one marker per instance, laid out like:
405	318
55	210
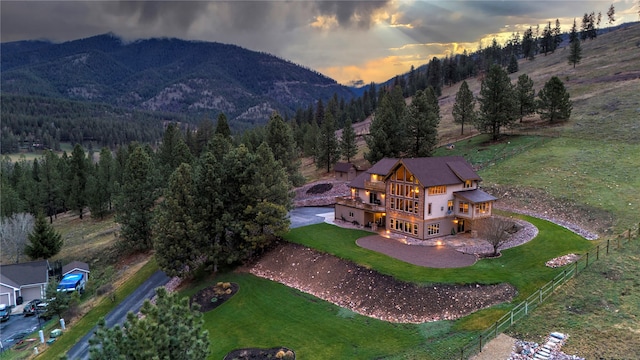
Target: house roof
474	196
343	167
382	167
443	170
29	273
75	265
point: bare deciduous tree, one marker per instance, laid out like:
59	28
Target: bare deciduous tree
495	231
14	232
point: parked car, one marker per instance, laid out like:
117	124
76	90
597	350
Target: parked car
71	283
5	312
32	307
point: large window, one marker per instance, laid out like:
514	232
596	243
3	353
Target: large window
404	192
433	229
404	226
437	190
463	207
468	184
483	208
449	206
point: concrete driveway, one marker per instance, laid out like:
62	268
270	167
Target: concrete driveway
304	216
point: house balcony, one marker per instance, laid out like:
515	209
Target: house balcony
473	214
359	204
375	186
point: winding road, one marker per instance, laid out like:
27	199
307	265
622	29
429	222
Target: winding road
117	316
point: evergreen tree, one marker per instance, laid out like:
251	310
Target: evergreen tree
172	152
311	140
513	64
135	201
525	96
497	103
203	135
387	131
101	185
553	101
44	241
575	47
528	44
557	35
222	127
464	108
279	137
434	75
170	329
58	301
174	228
78	173
423	117
611	14
328	151
547	41
51	188
348	145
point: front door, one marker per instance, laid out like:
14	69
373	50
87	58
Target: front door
460	226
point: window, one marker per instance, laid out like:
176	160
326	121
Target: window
463	207
482	208
429	209
437	190
433	229
415	229
415	207
468	184
391	223
351	213
450	206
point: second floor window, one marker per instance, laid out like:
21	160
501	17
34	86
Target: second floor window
437	190
468	184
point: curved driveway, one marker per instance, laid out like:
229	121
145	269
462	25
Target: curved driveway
427	256
304	216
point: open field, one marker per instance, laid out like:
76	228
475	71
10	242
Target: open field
599	309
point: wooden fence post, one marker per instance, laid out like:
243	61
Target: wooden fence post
577	267
587	260
480	342
598	252
608	240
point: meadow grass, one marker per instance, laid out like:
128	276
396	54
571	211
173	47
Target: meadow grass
598	309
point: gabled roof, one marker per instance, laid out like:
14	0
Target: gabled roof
443	170
75	265
382	167
475	196
344	167
29	273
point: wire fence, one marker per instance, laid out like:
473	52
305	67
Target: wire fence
546	291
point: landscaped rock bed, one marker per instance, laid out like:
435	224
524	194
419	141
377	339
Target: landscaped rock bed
372	294
211	297
259	354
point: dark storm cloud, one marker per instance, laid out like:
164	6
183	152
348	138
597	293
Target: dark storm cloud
177	14
351	13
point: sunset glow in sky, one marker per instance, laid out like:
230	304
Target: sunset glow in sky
345	40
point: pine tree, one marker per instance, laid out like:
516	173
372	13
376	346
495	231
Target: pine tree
422	119
513	64
135	201
58	301
222	127
328	151
554	103
78	174
575	54
528	44
100	185
279	137
44	241
525	96
497	103
311	134
387	131
464	107
168	329
174	228
51	189
348	145
611	14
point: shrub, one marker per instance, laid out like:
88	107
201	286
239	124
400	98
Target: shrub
280	354
289	355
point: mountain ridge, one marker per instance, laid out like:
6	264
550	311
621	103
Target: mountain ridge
165	74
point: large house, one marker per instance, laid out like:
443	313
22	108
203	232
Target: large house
420	198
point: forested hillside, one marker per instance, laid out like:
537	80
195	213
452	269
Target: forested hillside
167	75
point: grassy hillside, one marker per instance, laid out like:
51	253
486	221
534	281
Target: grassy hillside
591	161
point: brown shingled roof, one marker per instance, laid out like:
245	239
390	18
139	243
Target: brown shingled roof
382	167
442	170
75	265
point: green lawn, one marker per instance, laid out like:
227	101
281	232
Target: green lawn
267	314
522	266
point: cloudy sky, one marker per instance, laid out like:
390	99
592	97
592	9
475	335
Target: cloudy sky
346	40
